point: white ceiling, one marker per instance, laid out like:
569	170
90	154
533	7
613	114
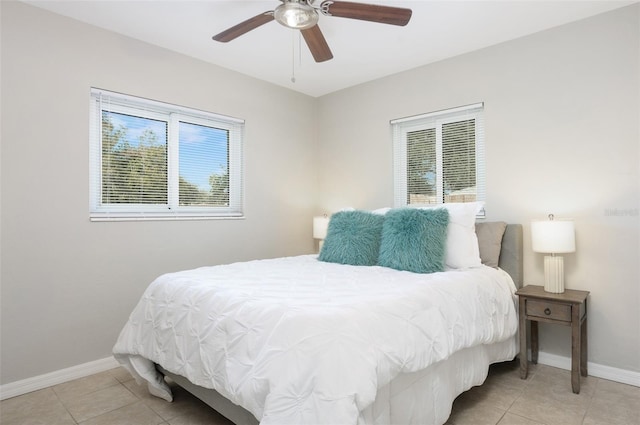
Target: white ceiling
363	51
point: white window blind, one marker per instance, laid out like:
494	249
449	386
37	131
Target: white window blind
439	157
153	160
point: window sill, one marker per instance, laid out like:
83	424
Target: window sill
161	217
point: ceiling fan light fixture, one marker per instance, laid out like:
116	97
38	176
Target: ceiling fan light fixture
296	14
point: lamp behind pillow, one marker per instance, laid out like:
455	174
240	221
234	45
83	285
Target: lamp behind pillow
414	240
353	237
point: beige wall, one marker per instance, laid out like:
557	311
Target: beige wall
562	136
68	284
562	132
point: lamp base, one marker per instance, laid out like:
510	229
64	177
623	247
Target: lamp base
554	274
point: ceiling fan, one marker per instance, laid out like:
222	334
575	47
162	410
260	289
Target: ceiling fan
303	15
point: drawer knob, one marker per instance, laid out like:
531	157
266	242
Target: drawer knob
547	311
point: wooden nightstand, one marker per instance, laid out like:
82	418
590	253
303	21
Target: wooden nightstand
569	309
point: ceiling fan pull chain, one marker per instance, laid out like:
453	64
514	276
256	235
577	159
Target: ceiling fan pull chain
293	57
299	49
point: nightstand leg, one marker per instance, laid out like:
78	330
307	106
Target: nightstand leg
523	341
583	348
534	342
576	344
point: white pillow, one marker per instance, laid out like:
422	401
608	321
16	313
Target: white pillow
381	211
462	250
462	243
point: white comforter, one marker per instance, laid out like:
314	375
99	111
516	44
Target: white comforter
299	341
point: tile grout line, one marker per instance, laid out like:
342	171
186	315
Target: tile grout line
148	405
63	404
501	417
137	399
531	376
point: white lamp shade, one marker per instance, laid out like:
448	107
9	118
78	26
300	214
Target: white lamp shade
320	225
553	236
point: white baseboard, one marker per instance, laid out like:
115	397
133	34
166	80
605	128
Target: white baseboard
599	371
28	385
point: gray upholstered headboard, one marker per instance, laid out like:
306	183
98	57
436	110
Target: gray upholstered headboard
511	259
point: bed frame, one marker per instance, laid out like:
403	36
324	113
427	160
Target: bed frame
510	261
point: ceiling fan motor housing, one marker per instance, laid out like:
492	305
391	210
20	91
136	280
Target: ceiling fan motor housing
296	14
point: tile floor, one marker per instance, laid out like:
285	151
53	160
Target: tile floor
545	397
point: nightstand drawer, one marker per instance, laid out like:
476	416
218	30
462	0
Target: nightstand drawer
548	310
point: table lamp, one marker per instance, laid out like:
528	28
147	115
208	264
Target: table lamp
553	237
320	225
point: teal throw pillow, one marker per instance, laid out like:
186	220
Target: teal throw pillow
414	240
353	237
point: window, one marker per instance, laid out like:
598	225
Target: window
439	157
152	160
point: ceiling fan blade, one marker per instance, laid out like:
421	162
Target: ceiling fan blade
244	27
367	12
317	44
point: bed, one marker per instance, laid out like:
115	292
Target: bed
297	340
